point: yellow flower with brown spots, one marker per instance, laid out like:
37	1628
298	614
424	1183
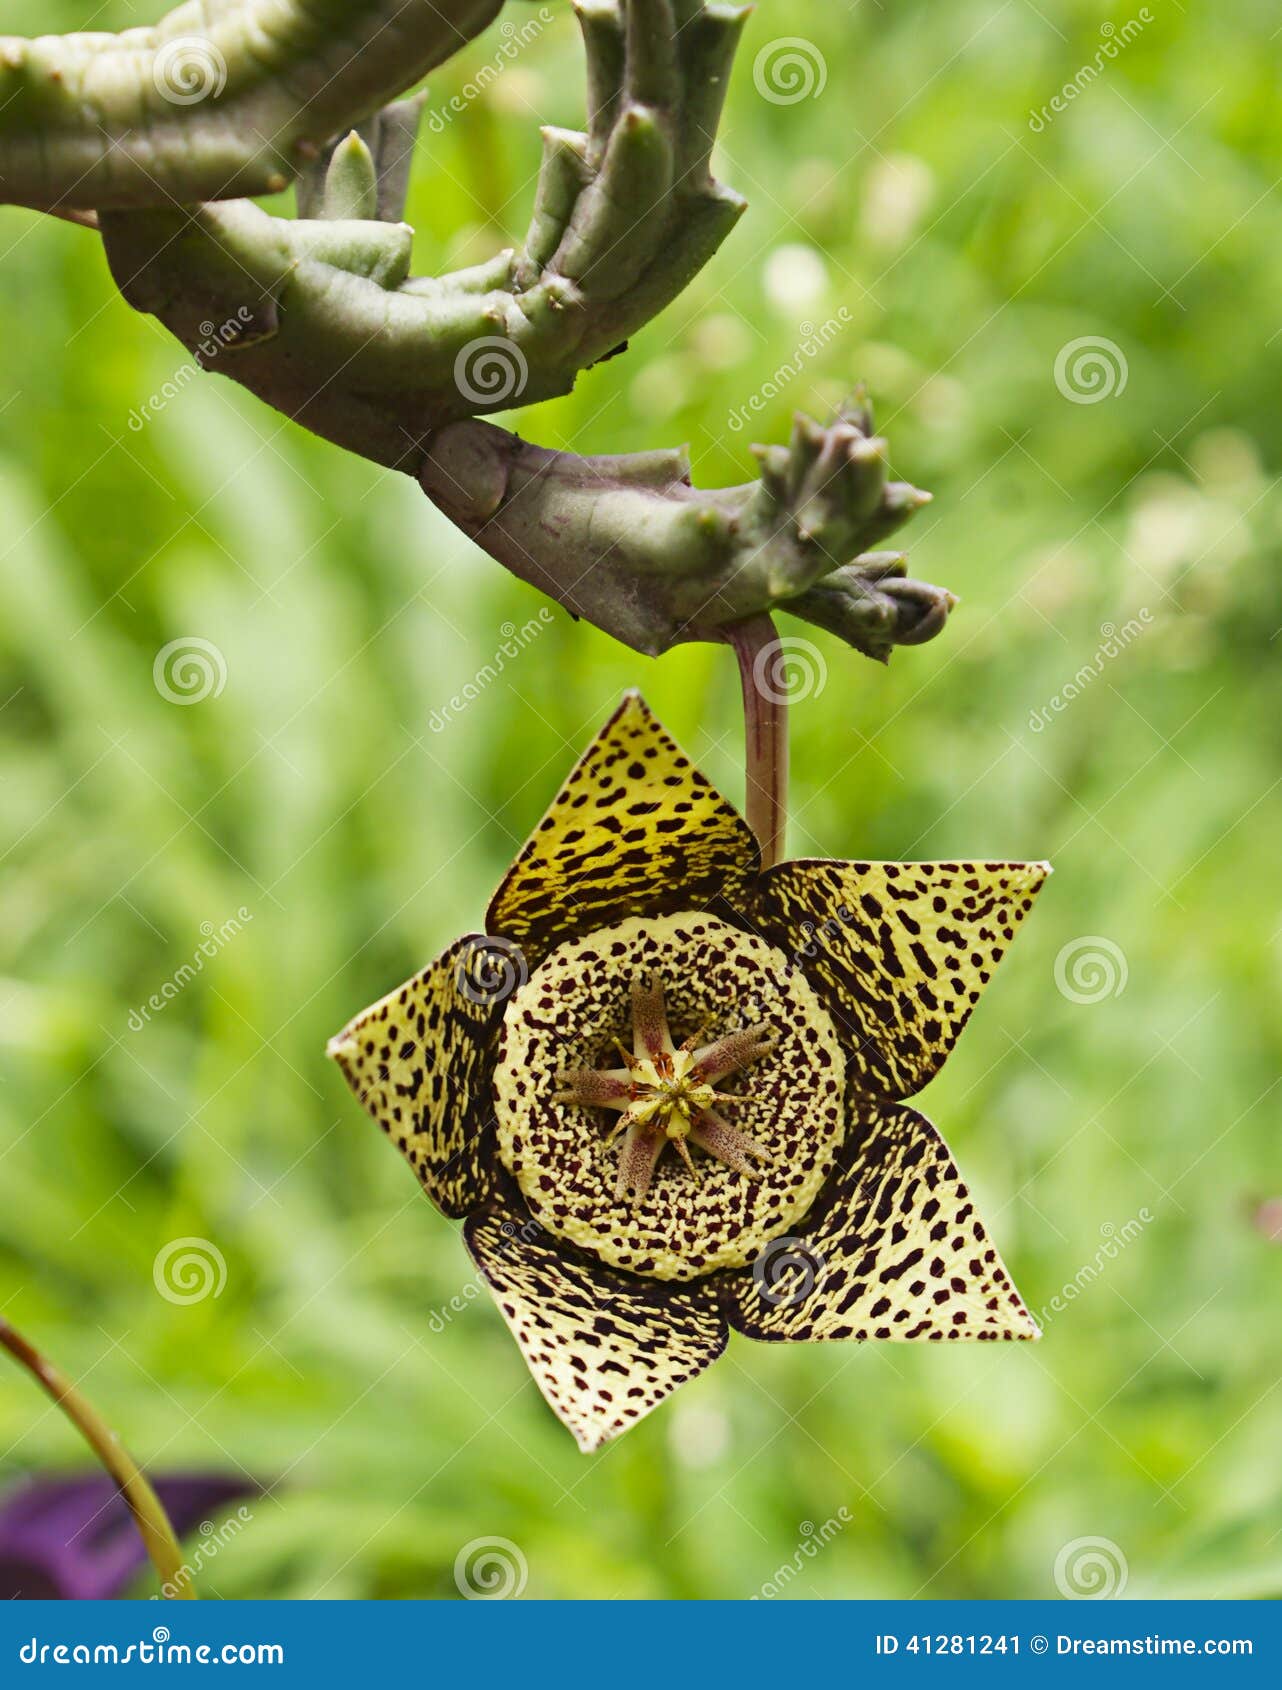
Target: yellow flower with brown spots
667	1089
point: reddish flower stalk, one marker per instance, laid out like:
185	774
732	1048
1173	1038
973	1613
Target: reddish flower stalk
765	714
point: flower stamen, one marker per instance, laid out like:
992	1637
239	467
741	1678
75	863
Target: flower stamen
666	1094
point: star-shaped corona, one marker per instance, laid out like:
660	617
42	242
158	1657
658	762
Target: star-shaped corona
667	1094
667	1091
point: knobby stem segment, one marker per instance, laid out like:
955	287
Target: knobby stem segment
765	714
145	1506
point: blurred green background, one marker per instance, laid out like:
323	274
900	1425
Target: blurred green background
1122	1145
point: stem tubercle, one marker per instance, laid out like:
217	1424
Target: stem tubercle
145	1506
765	713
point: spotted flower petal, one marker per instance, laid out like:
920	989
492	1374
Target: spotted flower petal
896	1250
604	1348
901	952
419	1060
636	830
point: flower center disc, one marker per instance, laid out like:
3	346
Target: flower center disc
573	1013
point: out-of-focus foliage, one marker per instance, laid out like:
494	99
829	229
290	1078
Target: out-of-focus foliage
908	225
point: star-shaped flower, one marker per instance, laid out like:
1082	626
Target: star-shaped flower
667	1089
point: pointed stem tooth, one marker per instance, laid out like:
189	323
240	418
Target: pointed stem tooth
351	182
563	176
603	41
776	464
651	73
857	411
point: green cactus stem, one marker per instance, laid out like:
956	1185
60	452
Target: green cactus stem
222	98
328	325
632	546
353	347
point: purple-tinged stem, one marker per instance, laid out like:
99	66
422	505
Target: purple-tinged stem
765	714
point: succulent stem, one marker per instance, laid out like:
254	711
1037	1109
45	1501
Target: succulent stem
145	1506
214	101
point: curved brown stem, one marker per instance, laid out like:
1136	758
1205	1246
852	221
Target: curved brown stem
145	1506
765	715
